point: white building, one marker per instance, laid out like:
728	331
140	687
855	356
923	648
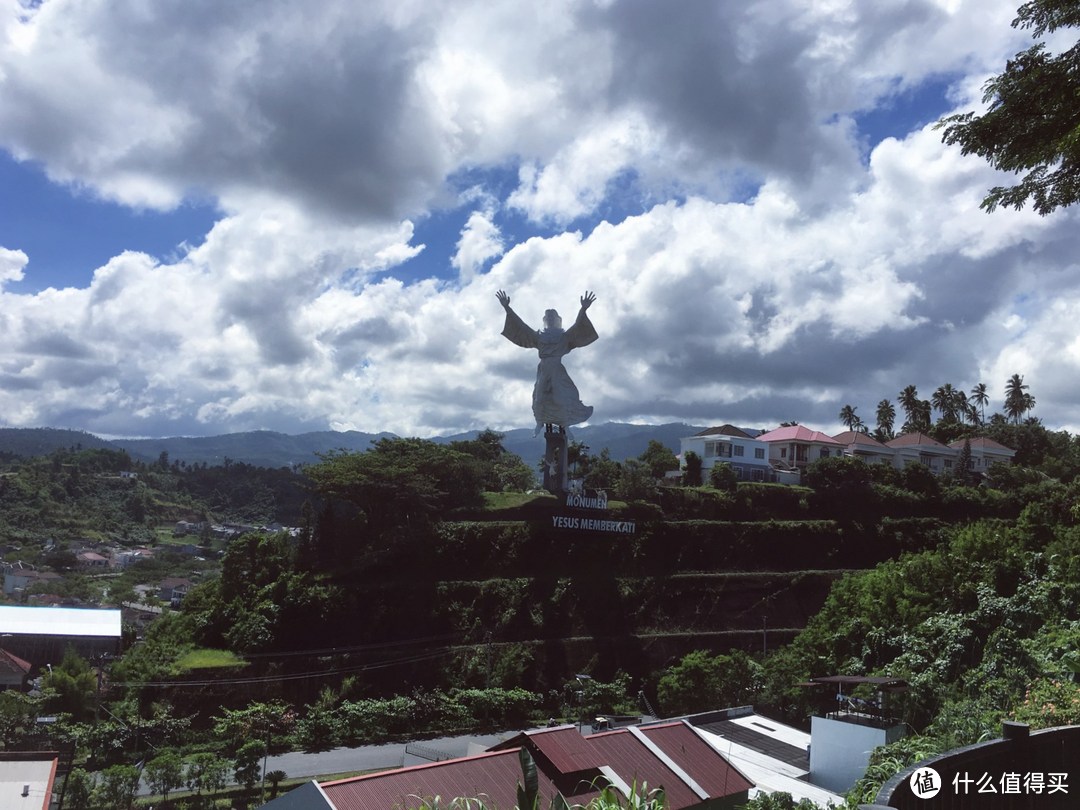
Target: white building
727	444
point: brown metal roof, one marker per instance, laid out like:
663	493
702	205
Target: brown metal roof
563	747
491	776
637	765
699	759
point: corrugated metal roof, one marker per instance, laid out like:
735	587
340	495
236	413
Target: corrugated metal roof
492	776
725	430
699	759
58	621
566	749
637	765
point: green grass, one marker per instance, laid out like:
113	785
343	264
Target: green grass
498	501
204	658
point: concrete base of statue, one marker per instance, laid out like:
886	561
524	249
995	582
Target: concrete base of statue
555	475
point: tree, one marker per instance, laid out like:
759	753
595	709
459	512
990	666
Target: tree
963	464
71	687
118	784
636	482
165	773
692	469
400	482
247	767
701	681
275	778
910	402
658	458
849	418
205	771
723	477
1017	399
78	790
604	471
886	419
945	401
1032	119
979	397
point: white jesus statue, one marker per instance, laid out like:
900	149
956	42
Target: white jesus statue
555	397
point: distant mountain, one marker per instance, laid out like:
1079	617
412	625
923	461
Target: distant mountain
261	448
42	441
622	440
266	448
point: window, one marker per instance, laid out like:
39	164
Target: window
824	452
759	452
723	450
738	449
783	452
757	475
739	471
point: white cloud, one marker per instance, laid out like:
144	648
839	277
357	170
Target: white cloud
480	241
773	269
12	263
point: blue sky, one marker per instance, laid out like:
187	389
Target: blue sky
231	235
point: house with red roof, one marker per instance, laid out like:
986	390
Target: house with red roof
984	453
865	447
674	756
911	448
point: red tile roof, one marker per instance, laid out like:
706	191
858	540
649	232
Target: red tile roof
984	443
13	665
913	439
857	437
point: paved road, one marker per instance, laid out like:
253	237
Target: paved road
374	757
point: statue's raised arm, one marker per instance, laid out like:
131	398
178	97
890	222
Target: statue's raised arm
555	397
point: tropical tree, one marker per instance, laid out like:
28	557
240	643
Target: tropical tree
849	418
1032	119
886	419
979	397
1017	399
945	402
909	401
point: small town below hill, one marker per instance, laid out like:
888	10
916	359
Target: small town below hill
172	629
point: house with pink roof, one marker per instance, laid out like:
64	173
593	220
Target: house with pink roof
795	446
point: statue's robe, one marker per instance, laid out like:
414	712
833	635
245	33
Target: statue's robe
555	397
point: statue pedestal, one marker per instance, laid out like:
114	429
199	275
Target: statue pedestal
555	477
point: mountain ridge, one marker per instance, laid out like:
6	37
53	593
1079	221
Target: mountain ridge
268	448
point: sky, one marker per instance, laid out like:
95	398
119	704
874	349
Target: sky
295	216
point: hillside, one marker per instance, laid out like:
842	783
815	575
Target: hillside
266	448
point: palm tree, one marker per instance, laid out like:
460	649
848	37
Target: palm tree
944	401
886	418
849	417
909	401
1016	398
980	398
